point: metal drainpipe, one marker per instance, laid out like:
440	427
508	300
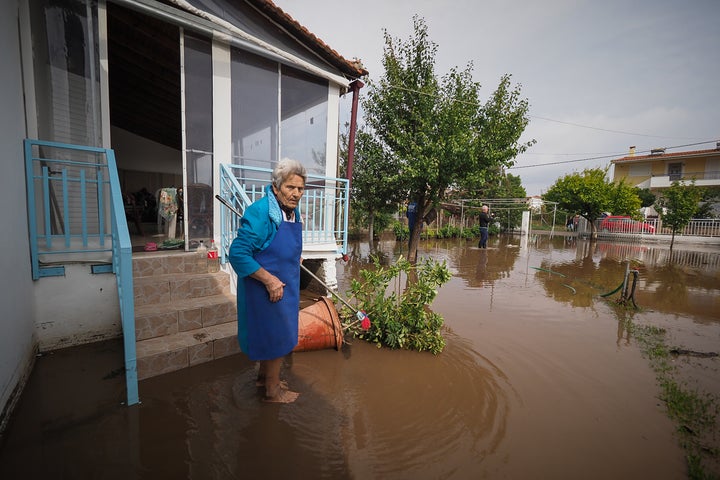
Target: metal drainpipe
355	87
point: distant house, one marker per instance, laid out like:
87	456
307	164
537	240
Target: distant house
659	170
535	203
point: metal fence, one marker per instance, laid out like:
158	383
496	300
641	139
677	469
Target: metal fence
704	227
323	207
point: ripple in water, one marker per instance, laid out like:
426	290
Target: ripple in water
404	414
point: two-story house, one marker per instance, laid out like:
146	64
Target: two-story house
659	169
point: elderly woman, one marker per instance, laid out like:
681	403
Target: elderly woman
266	257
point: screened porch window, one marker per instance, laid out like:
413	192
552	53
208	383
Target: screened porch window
65	64
254	110
198	138
304	119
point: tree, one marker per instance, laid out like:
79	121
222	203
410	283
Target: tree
678	205
706	207
624	200
590	193
647	198
374	192
436	130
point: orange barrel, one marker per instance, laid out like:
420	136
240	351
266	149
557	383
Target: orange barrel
319	327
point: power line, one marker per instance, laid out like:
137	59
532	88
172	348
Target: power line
572	124
561	162
607	130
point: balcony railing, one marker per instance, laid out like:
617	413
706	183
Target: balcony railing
702	179
323	207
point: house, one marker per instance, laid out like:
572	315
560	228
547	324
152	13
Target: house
535	203
134	97
660	169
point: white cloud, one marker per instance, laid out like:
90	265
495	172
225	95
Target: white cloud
648	68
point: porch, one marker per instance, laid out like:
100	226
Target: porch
172	314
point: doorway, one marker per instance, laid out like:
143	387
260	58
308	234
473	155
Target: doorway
145	119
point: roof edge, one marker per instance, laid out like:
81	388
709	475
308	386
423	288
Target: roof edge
674	155
352	68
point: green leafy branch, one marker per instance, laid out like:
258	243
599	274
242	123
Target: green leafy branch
399	319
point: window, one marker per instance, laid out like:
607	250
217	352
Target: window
304	119
198	137
640	170
254	110
674	171
65	63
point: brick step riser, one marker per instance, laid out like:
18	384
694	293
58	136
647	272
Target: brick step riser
164	264
186	350
151	291
189	317
184	316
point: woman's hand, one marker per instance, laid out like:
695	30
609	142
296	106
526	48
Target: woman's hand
273	285
275	289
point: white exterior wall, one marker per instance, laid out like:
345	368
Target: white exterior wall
17	345
78	308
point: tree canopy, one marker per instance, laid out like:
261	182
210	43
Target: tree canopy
678	205
374	189
435	131
590	193
647	198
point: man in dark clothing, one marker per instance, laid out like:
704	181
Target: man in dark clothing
485	219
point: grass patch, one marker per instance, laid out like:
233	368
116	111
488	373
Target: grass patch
694	413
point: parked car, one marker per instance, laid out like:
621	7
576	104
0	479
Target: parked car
623	224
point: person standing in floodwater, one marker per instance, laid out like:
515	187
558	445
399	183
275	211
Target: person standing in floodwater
485	219
266	256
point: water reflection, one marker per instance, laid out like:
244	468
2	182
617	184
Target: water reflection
537	380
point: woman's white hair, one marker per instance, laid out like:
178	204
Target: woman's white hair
285	169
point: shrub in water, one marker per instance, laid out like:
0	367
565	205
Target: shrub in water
399	319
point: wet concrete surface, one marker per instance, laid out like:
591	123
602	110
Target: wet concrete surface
539	379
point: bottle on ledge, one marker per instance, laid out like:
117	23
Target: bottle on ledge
202	258
213	260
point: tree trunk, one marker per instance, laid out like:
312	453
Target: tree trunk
593	230
371	229
415	233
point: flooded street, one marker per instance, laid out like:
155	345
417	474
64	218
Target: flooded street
539	379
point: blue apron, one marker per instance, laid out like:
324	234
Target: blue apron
270	330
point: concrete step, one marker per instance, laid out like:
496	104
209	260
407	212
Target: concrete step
169	288
166	262
159	319
184	316
169	353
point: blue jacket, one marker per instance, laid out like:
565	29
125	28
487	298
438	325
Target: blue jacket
258	227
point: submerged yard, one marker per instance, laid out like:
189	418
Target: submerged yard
540	378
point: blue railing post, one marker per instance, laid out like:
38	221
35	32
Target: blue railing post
108	196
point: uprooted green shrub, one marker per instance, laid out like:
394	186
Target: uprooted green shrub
399	319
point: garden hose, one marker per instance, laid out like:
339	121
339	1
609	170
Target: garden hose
614	291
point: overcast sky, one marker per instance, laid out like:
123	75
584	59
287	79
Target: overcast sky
600	76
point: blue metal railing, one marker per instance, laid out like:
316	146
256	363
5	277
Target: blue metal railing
76	213
324	206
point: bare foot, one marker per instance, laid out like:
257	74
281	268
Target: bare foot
280	394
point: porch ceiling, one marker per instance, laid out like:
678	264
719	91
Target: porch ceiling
144	76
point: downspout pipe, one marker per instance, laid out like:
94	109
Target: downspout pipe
355	86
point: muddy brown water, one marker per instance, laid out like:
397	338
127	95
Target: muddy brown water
539	379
